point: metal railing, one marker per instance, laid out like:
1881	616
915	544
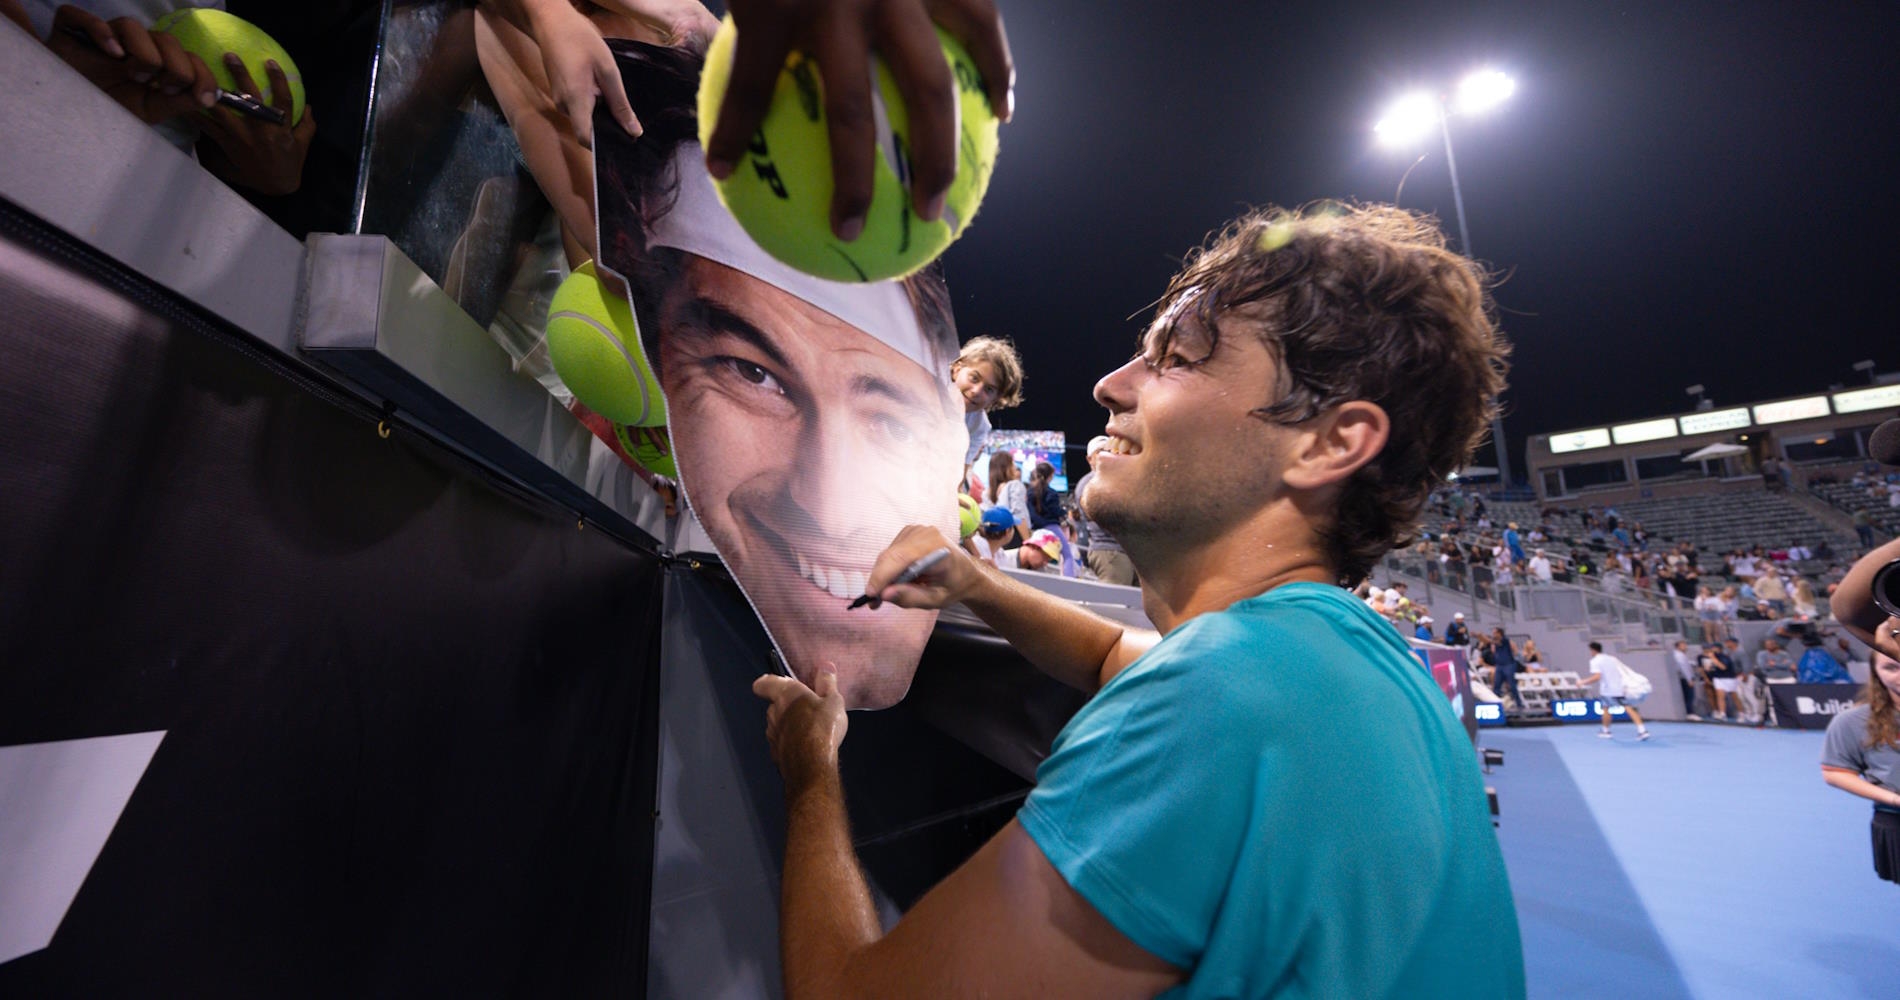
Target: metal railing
1663	617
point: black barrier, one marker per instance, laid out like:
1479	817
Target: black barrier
1811	706
408	718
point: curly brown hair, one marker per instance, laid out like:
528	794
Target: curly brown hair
1883	722
1359	302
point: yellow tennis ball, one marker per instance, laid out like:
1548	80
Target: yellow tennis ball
780	191
650	447
594	343
209	34
970	516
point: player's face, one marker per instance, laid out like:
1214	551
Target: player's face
804	445
1188	458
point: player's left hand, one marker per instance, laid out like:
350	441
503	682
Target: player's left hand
253	153
804	726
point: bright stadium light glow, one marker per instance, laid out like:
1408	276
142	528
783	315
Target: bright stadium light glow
1482	91
1409	119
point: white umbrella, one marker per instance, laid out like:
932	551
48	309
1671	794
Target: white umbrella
1717	450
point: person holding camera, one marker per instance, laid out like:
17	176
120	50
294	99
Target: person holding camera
1862	753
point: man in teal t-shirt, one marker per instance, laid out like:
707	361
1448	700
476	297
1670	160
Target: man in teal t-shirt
1268	797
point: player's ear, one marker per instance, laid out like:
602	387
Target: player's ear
1332	446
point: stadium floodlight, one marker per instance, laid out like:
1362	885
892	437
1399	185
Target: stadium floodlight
1481	91
1417	115
1409	119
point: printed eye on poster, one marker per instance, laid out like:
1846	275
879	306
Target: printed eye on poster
809	420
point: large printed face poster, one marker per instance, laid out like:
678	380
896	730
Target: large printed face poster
810	420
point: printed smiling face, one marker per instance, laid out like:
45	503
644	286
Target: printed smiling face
804	444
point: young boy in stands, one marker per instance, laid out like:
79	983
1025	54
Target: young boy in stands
988	374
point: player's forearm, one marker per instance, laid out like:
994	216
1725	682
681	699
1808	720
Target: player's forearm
825	909
1847	781
1853	601
1067	642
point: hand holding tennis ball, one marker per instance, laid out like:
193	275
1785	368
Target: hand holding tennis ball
209	33
804	154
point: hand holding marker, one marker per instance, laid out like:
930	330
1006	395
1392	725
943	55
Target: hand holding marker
910	574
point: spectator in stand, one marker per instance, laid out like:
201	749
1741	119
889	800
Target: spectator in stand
1398	606
1008	492
1687	580
1727	678
1457	634
1771	474
989	375
1540	567
1042	553
1606	672
1101	551
1532	658
1423	630
1864	527
1862	756
1803	599
1708	610
1730	602
1045	504
1514	543
1641	537
1504	656
1773	664
996	527
1685	664
1798	552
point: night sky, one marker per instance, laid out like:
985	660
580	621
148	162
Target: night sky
1678	192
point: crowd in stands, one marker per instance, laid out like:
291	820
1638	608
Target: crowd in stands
1621	556
1481	546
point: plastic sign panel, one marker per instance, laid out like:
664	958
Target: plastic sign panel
1715	420
1598	437
1792	409
1644	430
810	420
1879	397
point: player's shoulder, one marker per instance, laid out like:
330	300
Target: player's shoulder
1853	720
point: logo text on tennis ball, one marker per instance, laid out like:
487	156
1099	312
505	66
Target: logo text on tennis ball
762	165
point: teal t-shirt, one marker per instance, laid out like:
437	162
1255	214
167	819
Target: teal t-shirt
1278	799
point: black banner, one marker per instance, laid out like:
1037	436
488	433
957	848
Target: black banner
407	716
1811	706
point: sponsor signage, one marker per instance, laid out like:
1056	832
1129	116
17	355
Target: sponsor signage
1792	409
1582	710
1810	706
1490	713
1879	397
1597	437
1644	430
1715	420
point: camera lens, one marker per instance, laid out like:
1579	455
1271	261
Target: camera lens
1887	588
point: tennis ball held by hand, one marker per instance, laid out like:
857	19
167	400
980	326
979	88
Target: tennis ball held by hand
209	33
780	191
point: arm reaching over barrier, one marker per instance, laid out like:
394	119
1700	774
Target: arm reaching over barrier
1073	645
